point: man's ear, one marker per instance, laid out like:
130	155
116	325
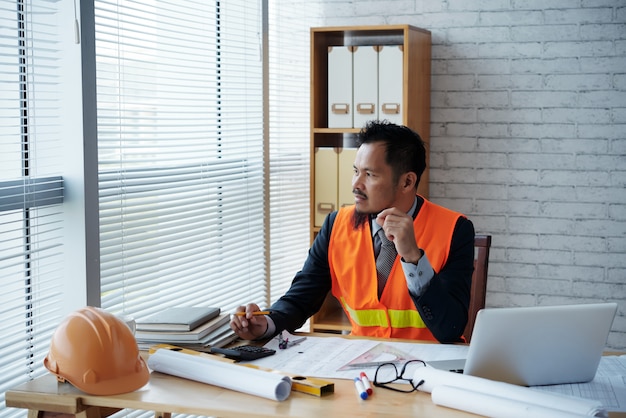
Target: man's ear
409	181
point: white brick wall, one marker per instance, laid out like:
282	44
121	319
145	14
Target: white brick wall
528	137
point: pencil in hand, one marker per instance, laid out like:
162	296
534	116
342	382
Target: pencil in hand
255	313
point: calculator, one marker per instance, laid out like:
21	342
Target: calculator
244	352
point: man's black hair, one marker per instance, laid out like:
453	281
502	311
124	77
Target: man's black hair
405	150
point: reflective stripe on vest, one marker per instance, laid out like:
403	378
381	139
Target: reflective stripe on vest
378	317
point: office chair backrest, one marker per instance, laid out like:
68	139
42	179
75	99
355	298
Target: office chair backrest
478	292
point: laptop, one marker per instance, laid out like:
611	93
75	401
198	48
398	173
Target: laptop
532	346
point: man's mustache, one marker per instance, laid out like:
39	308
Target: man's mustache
359	193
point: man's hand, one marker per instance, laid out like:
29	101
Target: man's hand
248	326
398	227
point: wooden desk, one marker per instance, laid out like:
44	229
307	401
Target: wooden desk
169	394
166	394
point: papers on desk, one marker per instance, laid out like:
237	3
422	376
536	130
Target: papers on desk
227	375
608	386
340	358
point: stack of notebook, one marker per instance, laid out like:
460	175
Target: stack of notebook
197	328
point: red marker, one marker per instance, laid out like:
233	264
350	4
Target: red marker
366	384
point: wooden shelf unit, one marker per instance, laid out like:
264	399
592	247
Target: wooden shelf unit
416	65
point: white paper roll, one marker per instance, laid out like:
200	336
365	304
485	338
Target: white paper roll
434	377
227	375
493	406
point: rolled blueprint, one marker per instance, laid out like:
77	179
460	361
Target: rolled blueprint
227	375
574	406
493	406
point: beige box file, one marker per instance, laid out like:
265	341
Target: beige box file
340	108
325	183
390	58
365	84
344	179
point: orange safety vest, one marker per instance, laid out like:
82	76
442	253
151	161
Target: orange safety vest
353	272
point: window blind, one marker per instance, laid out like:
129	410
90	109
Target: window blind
289	90
31	189
180	154
180	123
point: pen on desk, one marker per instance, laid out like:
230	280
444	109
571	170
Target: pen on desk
255	313
360	389
366	384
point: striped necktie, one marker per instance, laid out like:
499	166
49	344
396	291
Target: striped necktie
384	261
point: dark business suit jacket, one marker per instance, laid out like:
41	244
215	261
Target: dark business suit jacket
443	306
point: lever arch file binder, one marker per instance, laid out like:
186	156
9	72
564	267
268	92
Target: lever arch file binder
365	84
325	183
390	81
340	108
344	177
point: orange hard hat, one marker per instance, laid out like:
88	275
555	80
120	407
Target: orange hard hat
97	352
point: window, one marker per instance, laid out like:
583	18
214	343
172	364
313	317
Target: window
180	154
190	150
32	212
183	159
289	104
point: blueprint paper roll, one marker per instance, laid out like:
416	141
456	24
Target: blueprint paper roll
227	375
493	406
434	377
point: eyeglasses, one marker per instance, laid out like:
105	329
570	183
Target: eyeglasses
387	373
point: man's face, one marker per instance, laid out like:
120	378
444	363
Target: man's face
372	182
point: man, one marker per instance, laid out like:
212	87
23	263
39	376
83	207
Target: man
426	294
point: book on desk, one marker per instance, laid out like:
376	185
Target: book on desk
179	318
215	332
